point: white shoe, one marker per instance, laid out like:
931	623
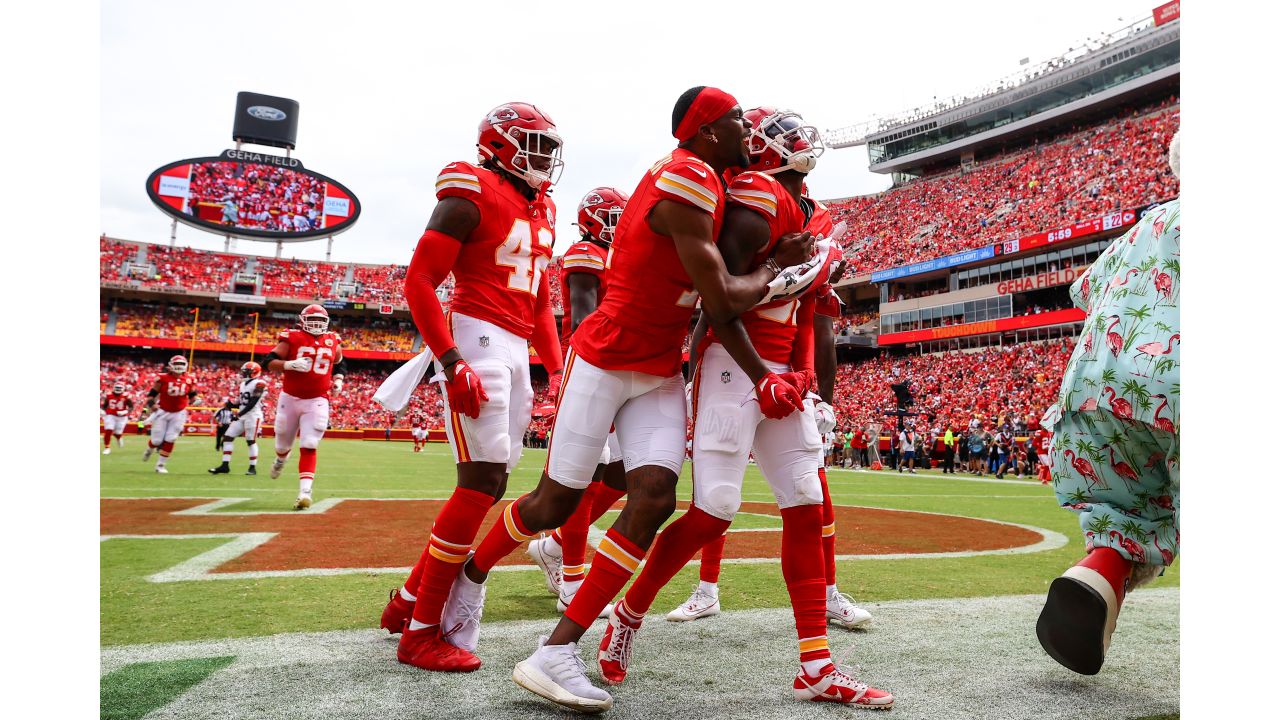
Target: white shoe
276	467
147	455
106	451
557	673
162	470
302	503
566	595
699	605
841	609
460	620
551	564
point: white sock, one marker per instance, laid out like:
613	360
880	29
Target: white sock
304	486
813	668
832	591
707	588
570	587
253	455
552	548
406	595
161	461
415	625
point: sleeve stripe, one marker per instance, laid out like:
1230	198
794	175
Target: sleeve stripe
583	261
461	185
690	185
760	194
697	200
770	208
458	176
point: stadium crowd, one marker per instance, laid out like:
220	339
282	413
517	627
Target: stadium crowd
1075	176
256	196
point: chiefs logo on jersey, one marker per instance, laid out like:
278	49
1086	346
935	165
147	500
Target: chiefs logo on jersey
503	114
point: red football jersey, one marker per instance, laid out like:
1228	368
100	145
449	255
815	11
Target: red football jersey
772	327
118	404
499	268
1044	439
323	351
642	323
584	257
174	390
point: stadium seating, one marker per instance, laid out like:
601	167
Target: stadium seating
298	278
1122	163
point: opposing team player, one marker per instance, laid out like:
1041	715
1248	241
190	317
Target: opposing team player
175	392
493	229
765	203
309	358
418	427
562	554
115	415
248	419
624	369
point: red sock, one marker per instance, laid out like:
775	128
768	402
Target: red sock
1111	565
615	562
802	570
828	529
106	438
605	498
573	536
675	546
506	535
451	537
166	449
712	553
307	461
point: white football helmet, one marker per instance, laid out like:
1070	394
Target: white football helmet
314	319
177	365
118	388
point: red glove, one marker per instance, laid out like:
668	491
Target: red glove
777	398
553	391
801	380
465	391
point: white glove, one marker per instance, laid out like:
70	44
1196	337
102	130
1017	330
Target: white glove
302	364
688	400
825	416
337	385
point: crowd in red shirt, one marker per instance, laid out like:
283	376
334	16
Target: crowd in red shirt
1122	163
256	196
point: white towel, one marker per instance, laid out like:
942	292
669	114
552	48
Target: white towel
394	392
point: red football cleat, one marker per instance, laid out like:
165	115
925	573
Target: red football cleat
425	648
395	616
837	686
615	648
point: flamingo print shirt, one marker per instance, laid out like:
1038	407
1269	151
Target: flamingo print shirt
1127	358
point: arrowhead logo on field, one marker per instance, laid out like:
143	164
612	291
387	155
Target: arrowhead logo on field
340	536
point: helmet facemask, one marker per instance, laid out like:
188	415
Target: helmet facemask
796	144
178	365
537	158
315	324
118	388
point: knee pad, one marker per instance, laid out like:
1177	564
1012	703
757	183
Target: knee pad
722	501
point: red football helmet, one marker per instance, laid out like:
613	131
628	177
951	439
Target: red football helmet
314	319
780	140
118	388
599	212
250	370
523	141
177	365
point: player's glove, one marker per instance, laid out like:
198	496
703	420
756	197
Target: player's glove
553	390
778	398
302	364
337	385
465	391
801	380
825	416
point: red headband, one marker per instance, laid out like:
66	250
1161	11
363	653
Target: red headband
710	104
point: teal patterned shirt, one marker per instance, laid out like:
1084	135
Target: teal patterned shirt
1127	358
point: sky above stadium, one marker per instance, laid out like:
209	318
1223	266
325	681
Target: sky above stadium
392	92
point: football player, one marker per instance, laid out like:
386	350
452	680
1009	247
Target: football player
562	554
765	203
115	415
493	228
175	392
624	369
309	359
418	426
248	419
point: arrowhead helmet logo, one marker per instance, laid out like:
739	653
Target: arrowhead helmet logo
590	199
503	114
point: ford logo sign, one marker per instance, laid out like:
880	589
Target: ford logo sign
263	112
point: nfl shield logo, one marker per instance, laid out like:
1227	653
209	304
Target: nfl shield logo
724	377
328	341
484	341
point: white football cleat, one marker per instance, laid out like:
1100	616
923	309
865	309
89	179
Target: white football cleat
276	467
106	451
699	605
302	503
842	611
557	673
460	619
550	563
162	470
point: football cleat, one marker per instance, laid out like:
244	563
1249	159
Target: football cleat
550	564
162	470
253	470
303	502
396	615
460	619
699	605
842	611
557	673
106	451
839	687
425	648
276	467
615	648
220	470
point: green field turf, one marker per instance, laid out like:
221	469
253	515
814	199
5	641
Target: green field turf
135	610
